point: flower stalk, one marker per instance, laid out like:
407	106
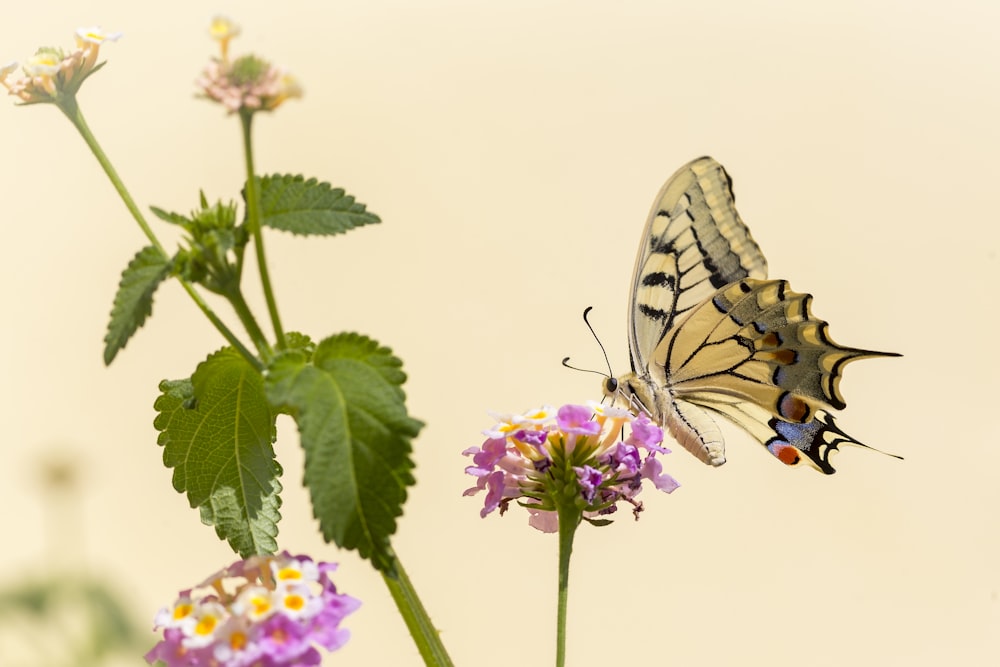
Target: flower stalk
418	622
566	467
254	216
569	520
71	109
282	607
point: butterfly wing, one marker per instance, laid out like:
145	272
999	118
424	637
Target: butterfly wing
707	332
694	243
755	353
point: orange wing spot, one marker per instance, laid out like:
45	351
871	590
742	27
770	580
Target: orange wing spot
792	408
785	453
771	339
786	357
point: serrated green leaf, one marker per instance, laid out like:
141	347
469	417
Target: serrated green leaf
217	432
356	433
169	216
301	206
299	341
134	299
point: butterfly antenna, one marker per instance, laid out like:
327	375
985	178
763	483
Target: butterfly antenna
586	311
565	362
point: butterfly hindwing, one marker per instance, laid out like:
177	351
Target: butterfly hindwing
756	344
757	340
707	331
817	438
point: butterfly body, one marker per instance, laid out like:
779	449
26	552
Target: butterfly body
709	333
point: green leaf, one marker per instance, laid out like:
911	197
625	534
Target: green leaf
598	522
356	433
134	299
171	217
301	206
295	340
217	431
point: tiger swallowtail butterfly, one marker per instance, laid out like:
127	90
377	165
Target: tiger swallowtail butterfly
708	332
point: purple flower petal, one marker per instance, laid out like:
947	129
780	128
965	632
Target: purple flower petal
590	480
547	522
492	451
576	419
495	485
652	470
646	433
624	459
535	438
326	630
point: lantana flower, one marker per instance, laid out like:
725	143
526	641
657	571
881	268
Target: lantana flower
223	30
265	610
247	83
52	74
593	457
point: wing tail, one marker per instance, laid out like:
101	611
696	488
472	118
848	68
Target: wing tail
813	441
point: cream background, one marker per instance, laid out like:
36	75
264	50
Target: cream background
512	150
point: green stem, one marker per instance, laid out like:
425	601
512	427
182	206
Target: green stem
250	323
569	520
72	111
254	216
424	634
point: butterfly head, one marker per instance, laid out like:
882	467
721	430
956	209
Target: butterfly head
626	391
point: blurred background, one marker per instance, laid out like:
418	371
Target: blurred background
513	150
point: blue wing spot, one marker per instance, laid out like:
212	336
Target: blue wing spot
807	438
723	305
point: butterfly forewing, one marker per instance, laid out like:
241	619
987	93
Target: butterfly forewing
708	331
694	243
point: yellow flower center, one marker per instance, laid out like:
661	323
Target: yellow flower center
260	605
295	602
183	610
206	626
237	641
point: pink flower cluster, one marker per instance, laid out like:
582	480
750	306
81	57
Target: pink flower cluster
248	83
265	611
534	456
